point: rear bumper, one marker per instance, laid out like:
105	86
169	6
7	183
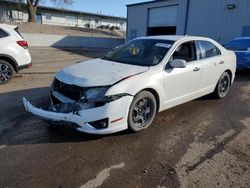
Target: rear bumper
116	110
24	66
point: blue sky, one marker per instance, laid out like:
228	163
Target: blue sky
108	7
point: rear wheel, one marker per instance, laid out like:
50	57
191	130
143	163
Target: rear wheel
223	86
142	111
6	72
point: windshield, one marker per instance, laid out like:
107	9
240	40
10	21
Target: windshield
143	52
239	44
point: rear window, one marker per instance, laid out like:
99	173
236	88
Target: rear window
3	33
206	49
16	30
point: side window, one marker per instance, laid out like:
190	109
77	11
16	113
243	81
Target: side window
185	51
206	49
3	34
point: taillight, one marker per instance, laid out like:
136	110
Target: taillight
23	43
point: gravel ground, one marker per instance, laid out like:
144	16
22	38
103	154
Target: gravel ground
203	143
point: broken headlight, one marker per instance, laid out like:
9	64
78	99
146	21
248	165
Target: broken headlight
98	95
110	98
95	94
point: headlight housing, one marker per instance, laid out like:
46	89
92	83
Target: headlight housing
98	95
95	94
110	98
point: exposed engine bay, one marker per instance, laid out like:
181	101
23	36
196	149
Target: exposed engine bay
67	98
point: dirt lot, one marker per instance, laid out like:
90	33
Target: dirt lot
68	30
204	143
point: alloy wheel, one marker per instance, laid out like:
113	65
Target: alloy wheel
224	85
142	112
5	73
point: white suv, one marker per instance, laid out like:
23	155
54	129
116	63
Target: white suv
14	53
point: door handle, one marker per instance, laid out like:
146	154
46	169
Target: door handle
221	62
196	69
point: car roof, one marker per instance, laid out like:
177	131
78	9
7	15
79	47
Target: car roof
6	26
244	38
174	37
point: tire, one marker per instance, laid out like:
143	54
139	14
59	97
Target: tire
6	72
142	111
222	86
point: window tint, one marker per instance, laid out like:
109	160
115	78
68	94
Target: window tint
3	33
205	49
185	51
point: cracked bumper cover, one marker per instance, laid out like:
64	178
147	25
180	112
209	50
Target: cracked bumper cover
114	110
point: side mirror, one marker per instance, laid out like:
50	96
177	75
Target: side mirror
178	63
248	50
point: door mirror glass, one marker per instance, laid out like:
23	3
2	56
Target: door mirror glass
178	63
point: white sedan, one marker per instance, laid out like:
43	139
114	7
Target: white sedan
126	88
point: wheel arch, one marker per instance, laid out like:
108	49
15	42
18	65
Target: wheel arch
230	74
156	95
10	60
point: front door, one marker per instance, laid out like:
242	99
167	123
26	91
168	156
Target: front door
182	84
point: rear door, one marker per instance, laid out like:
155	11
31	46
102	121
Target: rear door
212	65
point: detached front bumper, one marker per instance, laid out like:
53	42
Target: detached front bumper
116	112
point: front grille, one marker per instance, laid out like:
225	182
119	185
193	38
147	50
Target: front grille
70	91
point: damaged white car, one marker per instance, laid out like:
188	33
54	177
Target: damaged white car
126	88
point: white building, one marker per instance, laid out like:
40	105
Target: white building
15	12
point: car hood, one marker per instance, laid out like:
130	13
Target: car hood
97	72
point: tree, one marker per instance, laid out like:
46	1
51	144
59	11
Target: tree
32	5
31	8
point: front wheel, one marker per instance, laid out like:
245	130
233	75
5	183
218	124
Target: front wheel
142	111
223	86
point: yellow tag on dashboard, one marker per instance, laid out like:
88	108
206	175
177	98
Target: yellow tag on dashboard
134	51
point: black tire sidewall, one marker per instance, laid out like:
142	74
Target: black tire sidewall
139	96
11	69
217	93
